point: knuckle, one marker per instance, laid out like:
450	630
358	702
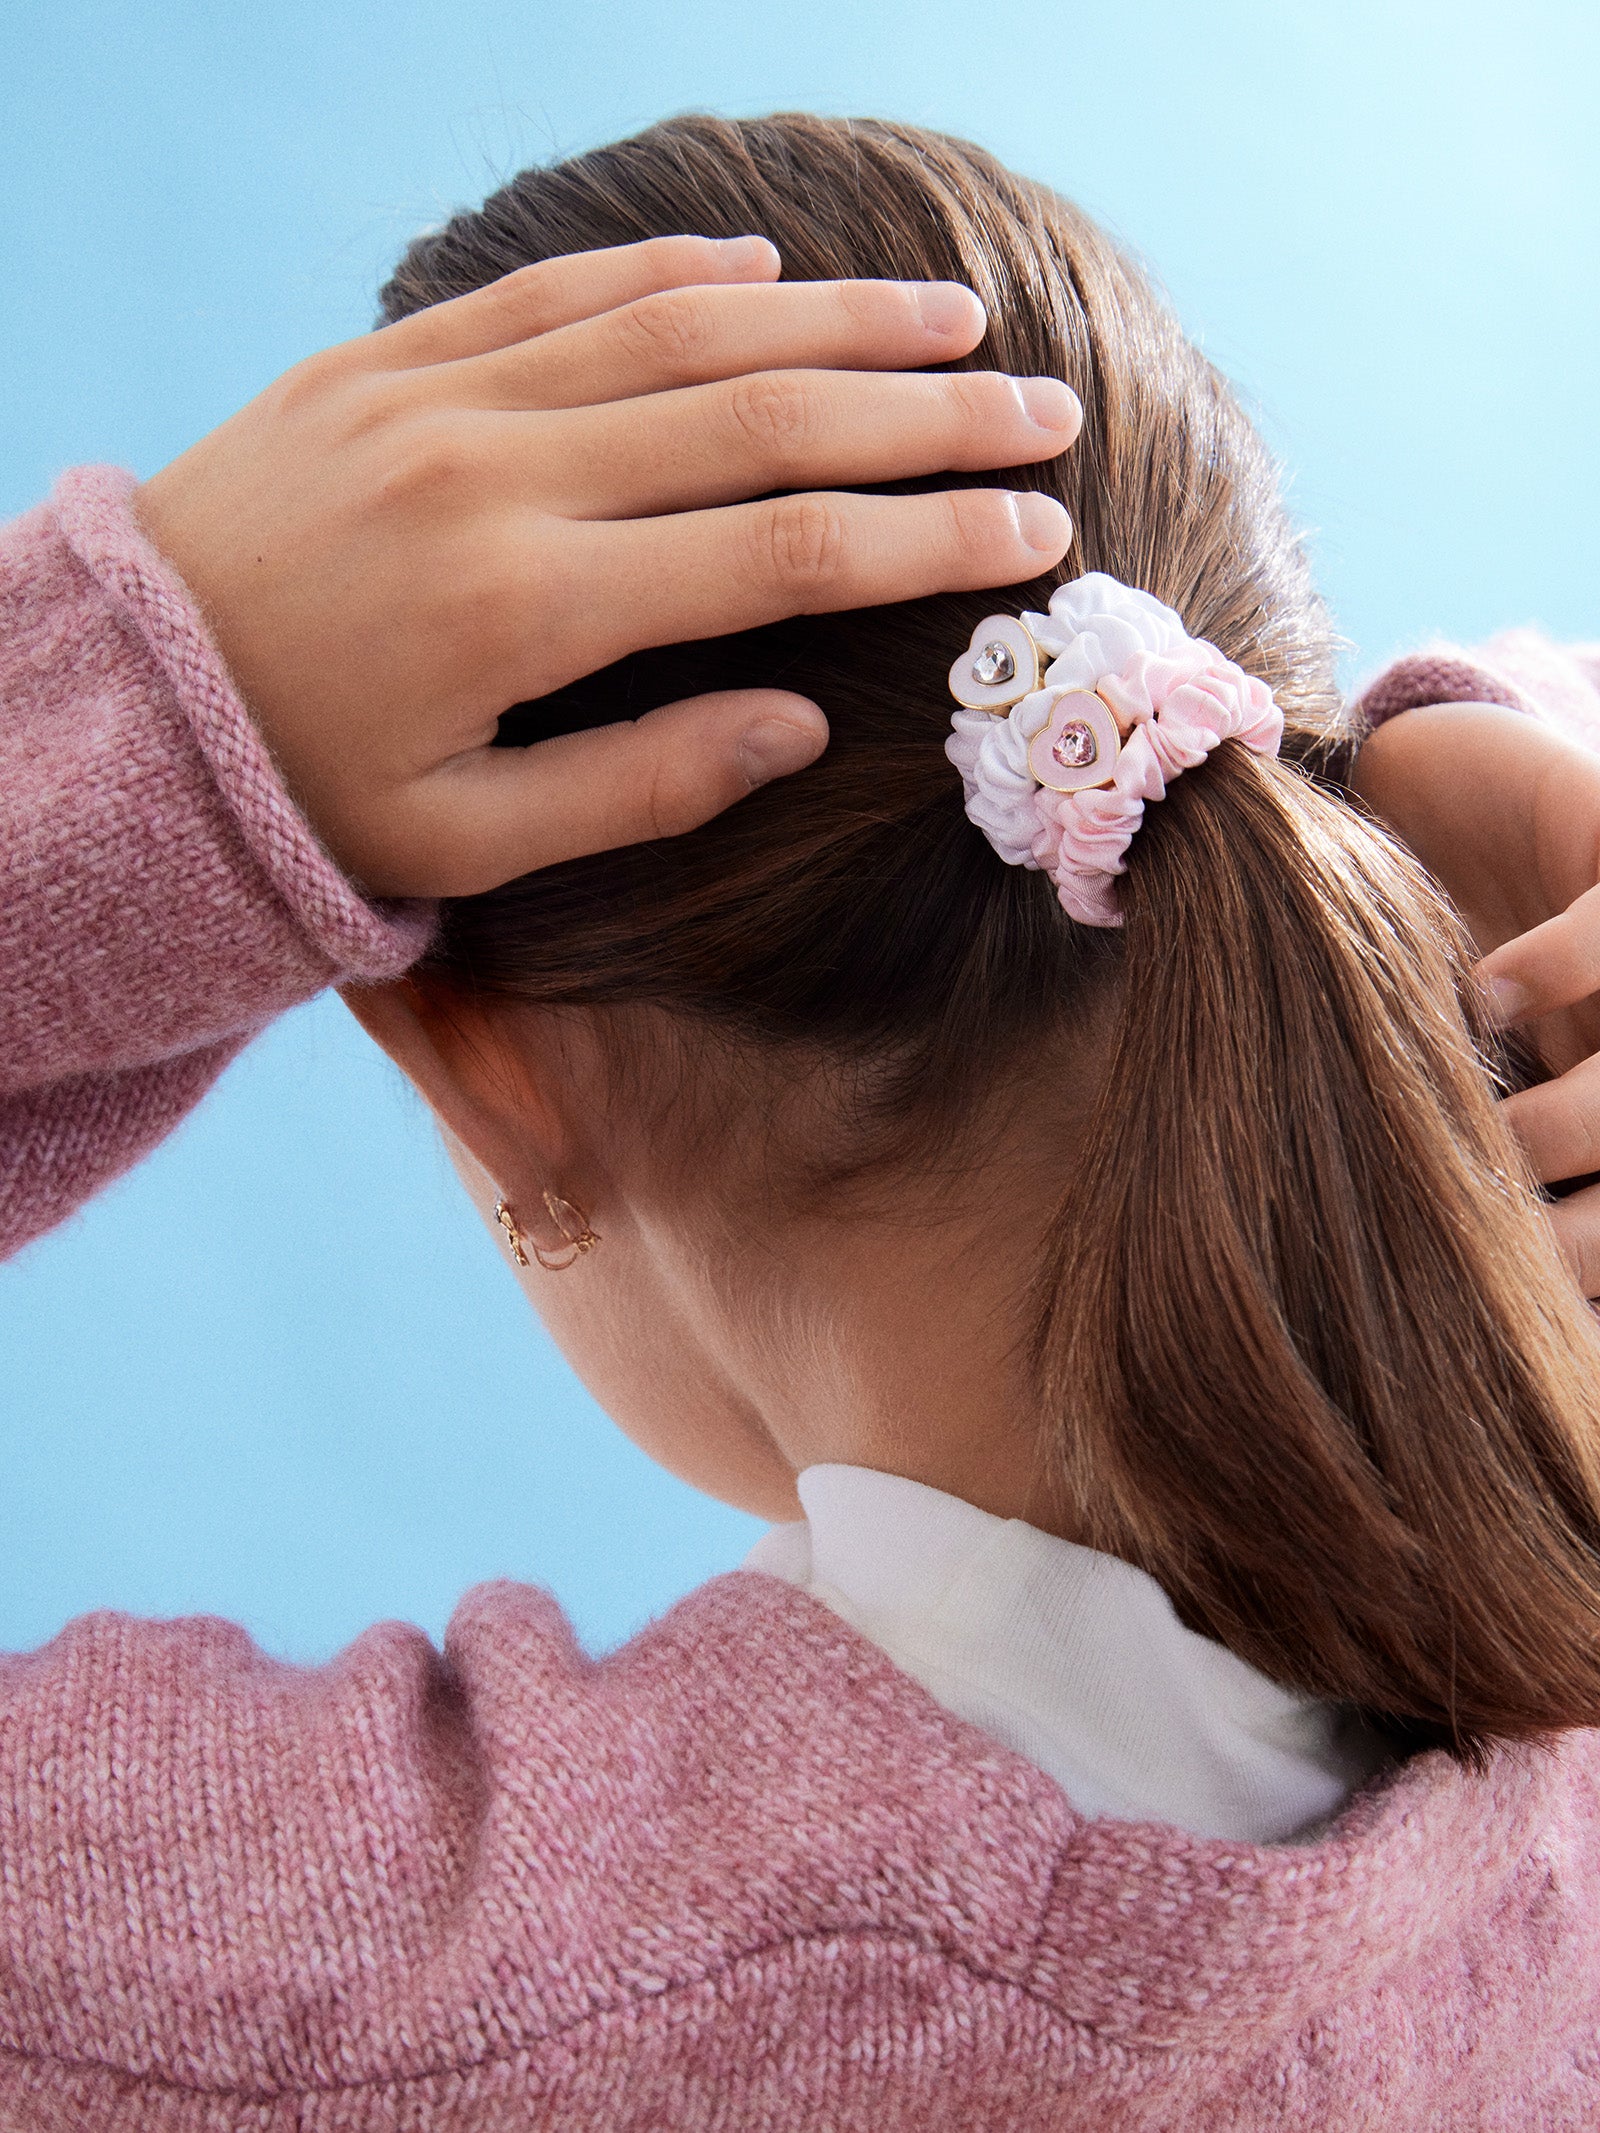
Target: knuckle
671	805
482	608
373	406
1583	1135
673	327
805	536
1579	1245
519	300
878	307
305	387
981	399
473	626
679	254
423	468
1560	1131
774	415
979	518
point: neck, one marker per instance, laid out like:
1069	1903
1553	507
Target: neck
899	1346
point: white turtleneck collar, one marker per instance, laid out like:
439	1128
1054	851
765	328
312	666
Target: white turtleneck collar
1072	1658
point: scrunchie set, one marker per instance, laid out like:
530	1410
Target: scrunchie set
1071	721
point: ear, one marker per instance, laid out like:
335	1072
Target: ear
463	1057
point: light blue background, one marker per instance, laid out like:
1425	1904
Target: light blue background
279	1374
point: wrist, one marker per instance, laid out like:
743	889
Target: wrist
292	869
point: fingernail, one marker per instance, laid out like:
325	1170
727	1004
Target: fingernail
1052	405
1043	523
1508	1001
947	307
773	747
747	251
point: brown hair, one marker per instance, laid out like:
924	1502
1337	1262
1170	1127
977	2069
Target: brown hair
1315	1364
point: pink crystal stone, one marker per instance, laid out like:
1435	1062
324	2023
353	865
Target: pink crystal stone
1078	744
1075	746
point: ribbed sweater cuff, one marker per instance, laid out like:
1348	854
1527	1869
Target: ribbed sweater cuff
360	939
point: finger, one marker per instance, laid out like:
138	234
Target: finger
1576	1224
1554	965
795	429
502	812
555	293
694	335
709	573
1558	1123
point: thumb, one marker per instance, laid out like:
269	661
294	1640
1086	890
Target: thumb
1550	966
500	812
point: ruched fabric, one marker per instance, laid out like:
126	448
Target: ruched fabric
1175	698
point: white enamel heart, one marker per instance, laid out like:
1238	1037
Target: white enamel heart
998	668
1077	745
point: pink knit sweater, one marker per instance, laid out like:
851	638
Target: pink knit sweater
743	1874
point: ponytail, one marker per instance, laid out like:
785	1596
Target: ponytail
1319	1368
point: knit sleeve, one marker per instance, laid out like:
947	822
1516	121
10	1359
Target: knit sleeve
1520	669
161	898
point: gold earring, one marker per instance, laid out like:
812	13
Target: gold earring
573	1223
508	1222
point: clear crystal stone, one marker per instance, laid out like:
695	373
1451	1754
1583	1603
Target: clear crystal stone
993	665
1075	746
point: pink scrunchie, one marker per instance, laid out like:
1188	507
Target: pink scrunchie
1182	704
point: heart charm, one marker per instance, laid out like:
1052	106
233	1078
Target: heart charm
1077	745
998	668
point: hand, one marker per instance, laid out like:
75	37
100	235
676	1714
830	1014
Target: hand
1505	813
407	534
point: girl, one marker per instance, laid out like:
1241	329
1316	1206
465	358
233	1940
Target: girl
1083	1225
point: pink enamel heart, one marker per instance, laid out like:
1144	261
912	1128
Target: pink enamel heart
1077	746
